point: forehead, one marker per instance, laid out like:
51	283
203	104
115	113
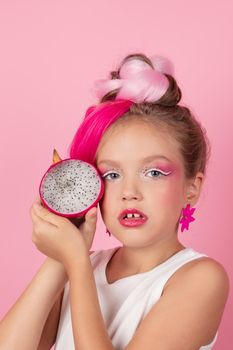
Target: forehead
137	139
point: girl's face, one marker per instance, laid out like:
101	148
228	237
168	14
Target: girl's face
132	161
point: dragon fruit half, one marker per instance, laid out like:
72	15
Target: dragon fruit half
71	187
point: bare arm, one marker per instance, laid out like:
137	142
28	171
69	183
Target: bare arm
49	333
22	326
88	325
25	325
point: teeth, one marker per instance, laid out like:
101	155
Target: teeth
133	216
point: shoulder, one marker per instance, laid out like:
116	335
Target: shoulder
214	274
209	269
215	270
204	271
191	306
206	280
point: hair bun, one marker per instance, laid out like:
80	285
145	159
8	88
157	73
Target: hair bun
162	64
140	79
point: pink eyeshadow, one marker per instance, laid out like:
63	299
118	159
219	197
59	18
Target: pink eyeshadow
164	167
103	170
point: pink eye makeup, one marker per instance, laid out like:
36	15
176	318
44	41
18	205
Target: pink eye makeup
146	170
103	171
155	170
165	168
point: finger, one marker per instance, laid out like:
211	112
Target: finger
43	226
39	226
37	220
89	224
47	215
38	200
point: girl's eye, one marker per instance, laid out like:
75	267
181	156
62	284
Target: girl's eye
157	173
111	178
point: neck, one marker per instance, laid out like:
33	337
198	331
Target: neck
142	259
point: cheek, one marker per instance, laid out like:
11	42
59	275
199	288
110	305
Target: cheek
105	203
102	208
106	196
170	198
173	194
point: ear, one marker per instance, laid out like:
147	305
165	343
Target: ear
194	187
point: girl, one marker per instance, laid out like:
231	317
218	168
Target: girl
151	292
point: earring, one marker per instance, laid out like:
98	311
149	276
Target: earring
108	232
187	217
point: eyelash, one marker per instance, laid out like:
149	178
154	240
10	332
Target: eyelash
158	171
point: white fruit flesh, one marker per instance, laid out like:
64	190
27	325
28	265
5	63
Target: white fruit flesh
70	186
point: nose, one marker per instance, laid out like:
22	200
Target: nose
131	191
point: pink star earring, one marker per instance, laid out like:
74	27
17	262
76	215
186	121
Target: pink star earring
187	217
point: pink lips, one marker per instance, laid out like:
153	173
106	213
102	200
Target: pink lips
132	222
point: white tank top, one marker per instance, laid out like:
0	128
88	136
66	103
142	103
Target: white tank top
125	302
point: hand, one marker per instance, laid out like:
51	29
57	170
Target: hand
56	236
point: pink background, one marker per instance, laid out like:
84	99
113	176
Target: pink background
51	52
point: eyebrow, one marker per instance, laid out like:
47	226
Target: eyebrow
142	160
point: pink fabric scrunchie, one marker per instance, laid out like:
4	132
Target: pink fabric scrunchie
138	81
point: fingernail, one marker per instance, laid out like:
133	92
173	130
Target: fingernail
93	214
37	206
